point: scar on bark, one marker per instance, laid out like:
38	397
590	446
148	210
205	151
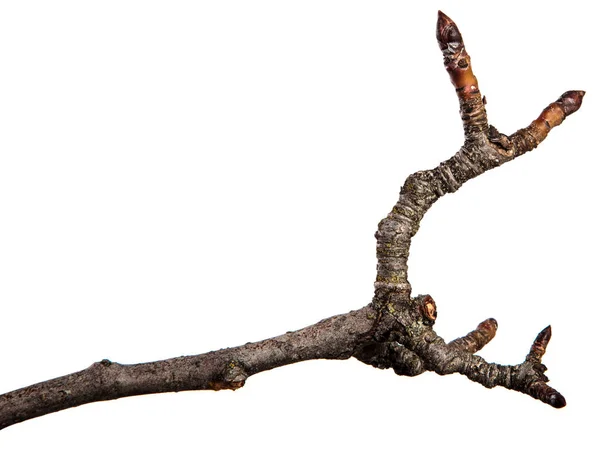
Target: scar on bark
395	330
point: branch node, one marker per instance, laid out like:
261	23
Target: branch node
233	377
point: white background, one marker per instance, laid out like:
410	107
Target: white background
177	177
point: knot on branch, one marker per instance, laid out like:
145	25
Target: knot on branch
427	309
232	377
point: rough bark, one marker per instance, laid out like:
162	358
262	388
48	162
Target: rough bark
394	331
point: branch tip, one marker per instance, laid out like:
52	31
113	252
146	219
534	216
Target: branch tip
557	400
527	139
548	395
538	348
544	335
447	31
571	101
489	323
477	339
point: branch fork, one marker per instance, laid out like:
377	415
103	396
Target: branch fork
484	148
395	330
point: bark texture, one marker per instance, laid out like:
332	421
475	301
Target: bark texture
337	337
394	331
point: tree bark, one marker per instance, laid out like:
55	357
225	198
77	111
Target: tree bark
334	338
395	330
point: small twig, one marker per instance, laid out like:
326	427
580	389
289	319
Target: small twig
477	339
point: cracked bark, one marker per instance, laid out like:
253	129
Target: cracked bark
394	331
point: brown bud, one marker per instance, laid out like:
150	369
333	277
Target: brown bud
540	390
538	348
557	400
447	31
427	307
492	322
488	327
571	101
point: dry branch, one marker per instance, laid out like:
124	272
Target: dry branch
394	331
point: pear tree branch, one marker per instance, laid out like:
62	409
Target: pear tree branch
395	330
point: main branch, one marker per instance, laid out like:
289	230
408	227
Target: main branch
394	331
334	338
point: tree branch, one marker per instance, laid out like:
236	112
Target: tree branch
394	331
334	338
484	148
527	377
